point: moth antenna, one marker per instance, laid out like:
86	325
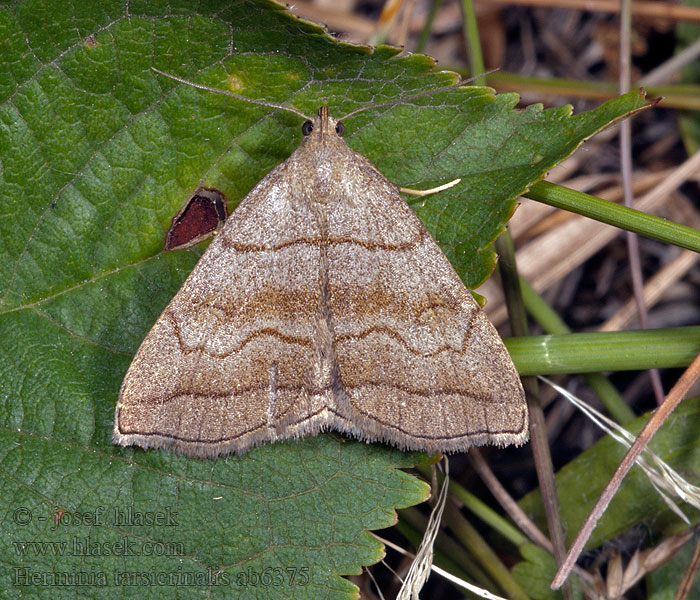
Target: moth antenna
407	99
232	95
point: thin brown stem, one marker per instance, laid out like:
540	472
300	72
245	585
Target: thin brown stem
506	501
538	430
666	10
627	187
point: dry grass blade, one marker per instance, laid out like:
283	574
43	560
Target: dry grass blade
552	256
660	474
482	593
421	565
653	289
619	580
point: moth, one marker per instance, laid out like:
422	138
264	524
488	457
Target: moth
323	303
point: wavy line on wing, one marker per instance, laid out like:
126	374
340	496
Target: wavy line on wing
397	336
317	242
270	331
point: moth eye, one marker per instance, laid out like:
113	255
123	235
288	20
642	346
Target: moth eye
340	129
307	128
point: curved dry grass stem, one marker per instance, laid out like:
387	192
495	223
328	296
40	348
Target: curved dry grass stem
482	593
420	568
635	262
435	190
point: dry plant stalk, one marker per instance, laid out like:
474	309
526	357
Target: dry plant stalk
420	568
672	400
664	479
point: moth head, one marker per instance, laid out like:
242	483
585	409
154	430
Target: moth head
323	127
308	127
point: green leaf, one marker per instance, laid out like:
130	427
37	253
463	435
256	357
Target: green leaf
581	481
146	523
97	154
